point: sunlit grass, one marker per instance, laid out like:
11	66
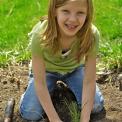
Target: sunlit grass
111	53
17	20
108	18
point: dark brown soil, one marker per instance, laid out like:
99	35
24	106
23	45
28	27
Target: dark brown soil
13	82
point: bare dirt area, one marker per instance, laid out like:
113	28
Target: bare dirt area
13	82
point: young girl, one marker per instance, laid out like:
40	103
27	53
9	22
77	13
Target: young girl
61	46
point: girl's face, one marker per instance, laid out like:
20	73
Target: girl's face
71	17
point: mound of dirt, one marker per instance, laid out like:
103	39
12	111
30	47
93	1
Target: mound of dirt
13	82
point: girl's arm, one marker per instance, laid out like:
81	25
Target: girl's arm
89	84
38	67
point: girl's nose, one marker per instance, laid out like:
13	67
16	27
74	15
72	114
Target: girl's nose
72	18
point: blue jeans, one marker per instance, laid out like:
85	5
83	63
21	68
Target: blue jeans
30	107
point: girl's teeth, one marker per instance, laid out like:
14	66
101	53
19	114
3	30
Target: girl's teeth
71	26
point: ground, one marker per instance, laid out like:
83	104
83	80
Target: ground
13	82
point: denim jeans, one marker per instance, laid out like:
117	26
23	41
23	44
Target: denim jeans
30	107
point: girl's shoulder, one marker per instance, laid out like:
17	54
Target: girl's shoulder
35	34
95	30
96	34
38	28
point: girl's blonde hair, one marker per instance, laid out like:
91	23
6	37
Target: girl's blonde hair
52	35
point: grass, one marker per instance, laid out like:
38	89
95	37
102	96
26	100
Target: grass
74	112
18	18
108	18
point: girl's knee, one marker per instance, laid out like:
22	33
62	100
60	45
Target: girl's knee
30	114
99	101
98	104
98	107
30	110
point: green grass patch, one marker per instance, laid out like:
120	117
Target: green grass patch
108	18
17	20
111	53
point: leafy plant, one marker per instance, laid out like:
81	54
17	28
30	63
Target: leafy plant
74	112
111	53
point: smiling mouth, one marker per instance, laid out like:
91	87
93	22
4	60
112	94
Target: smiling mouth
71	27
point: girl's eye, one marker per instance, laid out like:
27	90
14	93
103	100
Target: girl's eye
80	13
65	11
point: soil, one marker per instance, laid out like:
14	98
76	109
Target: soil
13	82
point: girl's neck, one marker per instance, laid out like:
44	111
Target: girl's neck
66	42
